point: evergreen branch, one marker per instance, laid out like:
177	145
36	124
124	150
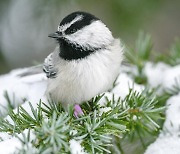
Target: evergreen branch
173	56
53	134
175	53
52	126
139	55
143	114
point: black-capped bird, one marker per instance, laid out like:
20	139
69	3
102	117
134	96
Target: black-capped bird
85	62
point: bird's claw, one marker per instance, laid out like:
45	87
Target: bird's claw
77	111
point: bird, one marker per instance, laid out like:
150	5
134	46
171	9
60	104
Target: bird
85	62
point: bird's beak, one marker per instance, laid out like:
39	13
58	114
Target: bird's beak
55	35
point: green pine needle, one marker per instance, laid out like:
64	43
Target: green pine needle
52	125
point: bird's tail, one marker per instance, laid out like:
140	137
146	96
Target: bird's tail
31	71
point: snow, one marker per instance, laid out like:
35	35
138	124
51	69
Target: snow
168	141
123	83
169	144
162	75
4	136
171	76
75	147
172	123
33	88
9	146
155	73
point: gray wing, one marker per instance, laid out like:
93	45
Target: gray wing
48	66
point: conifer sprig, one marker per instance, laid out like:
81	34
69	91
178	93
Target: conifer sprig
173	56
52	126
139	55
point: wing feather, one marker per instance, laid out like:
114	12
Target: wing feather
48	66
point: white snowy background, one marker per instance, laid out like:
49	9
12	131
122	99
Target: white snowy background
33	88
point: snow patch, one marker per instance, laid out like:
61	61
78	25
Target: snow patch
76	148
123	83
169	144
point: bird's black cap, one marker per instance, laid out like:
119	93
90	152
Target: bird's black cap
87	19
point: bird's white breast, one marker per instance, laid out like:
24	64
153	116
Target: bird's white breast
79	81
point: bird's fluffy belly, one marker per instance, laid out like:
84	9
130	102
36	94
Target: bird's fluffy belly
79	81
76	89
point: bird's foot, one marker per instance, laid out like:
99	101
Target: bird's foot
77	110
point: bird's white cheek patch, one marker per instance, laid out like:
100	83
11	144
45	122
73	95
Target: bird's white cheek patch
94	35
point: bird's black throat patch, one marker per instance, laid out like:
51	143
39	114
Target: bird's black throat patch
70	51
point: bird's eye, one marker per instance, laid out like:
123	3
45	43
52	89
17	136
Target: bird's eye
58	32
70	30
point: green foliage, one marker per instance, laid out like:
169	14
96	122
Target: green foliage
173	56
52	126
139	55
53	134
175	53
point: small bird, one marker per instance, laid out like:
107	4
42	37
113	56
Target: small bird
85	62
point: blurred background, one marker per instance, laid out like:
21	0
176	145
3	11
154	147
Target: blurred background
25	25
